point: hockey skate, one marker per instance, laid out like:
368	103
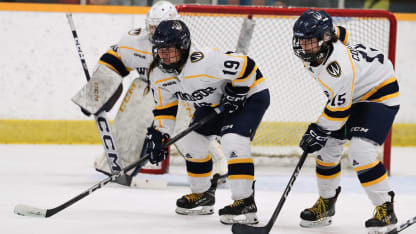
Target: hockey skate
320	214
197	203
241	211
384	219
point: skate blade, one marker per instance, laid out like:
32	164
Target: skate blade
381	230
204	210
249	218
319	223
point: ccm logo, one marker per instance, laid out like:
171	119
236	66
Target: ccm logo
359	129
109	144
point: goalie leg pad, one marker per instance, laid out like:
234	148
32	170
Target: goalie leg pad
101	92
218	159
128	130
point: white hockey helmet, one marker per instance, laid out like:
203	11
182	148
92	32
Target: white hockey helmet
161	10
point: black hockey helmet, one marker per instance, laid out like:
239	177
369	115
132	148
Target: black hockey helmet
171	33
313	24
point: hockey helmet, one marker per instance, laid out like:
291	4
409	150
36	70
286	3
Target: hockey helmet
161	10
313	24
171	33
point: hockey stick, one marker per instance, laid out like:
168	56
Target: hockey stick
26	210
403	226
238	228
103	126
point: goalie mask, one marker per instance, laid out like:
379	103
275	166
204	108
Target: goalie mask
171	43
161	10
313	33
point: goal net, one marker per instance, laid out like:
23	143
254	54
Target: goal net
296	99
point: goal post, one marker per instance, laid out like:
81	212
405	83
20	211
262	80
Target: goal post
296	99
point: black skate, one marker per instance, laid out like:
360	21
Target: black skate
241	211
321	213
197	203
384	219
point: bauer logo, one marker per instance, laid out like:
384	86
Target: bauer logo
334	69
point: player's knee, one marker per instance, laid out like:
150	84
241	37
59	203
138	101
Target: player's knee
193	145
332	151
362	152
235	146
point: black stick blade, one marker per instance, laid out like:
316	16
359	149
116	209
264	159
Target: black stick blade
239	228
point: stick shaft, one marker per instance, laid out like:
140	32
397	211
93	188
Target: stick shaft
245	229
103	125
138	163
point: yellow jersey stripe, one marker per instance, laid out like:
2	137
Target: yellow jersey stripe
136	50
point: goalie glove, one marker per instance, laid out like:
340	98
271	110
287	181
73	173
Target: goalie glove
314	138
234	98
153	145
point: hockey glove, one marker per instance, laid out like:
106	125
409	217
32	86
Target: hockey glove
314	138
204	112
153	145
234	98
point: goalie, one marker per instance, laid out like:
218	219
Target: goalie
132	52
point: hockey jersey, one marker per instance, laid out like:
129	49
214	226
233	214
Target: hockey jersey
132	52
201	82
353	74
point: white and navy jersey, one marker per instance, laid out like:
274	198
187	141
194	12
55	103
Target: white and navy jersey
201	82
132	52
353	74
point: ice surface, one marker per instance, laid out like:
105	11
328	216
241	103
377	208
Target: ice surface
46	176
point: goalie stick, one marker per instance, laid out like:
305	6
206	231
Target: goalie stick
103	125
403	226
26	210
239	228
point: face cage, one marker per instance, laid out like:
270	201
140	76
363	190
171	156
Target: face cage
309	57
172	68
300	52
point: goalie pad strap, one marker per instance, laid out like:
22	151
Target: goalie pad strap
101	92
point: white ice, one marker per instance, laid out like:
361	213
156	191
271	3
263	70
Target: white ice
46	176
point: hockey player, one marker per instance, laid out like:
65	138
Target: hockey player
363	99
134	52
207	78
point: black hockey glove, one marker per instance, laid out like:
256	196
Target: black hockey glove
153	143
314	138
234	98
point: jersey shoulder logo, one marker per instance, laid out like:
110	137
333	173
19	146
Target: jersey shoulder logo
135	32
197	56
334	69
